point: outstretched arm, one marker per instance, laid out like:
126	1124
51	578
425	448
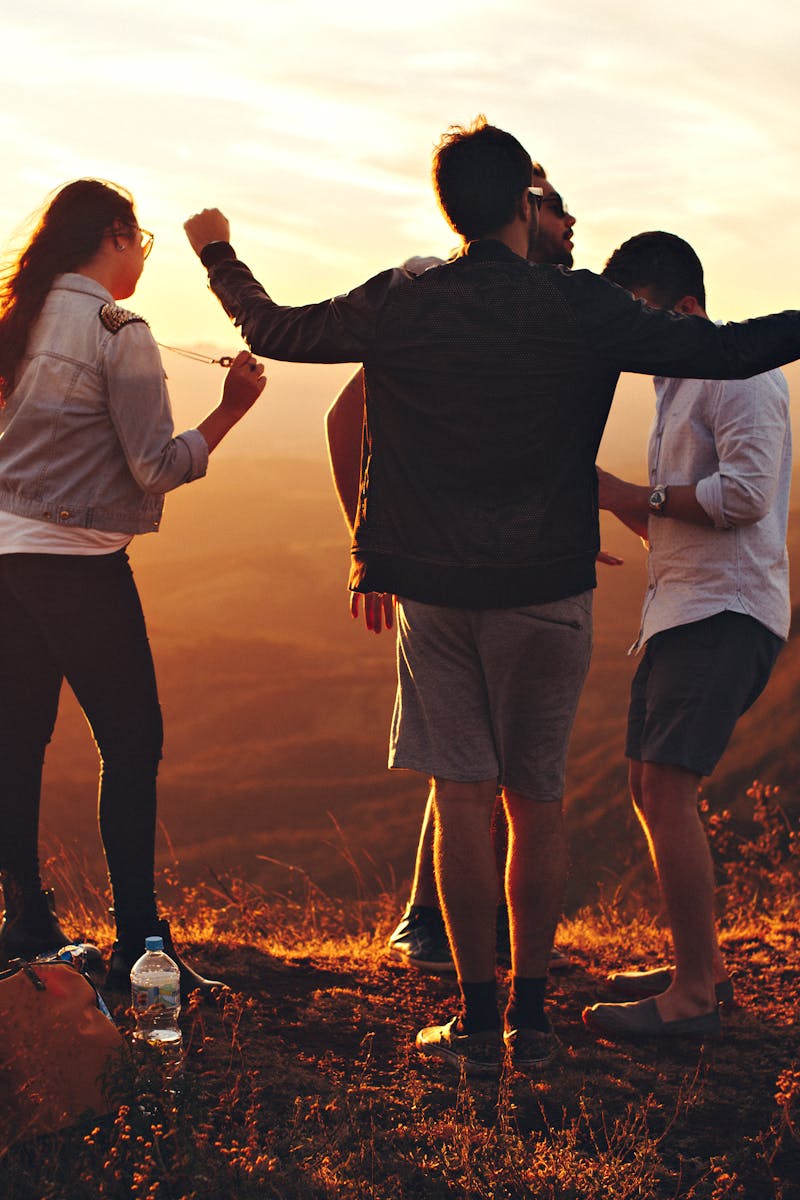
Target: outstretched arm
340	329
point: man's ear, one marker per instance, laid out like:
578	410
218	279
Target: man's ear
689	306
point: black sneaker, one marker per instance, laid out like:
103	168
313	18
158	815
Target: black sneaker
420	940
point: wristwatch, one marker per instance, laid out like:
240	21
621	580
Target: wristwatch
657	499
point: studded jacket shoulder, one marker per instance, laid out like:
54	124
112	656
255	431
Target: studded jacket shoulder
115	318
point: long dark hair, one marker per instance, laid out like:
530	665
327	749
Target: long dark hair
67	235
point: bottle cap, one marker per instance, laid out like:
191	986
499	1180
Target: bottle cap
154	943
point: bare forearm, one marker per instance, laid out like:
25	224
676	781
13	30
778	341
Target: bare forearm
630	503
344	424
217	424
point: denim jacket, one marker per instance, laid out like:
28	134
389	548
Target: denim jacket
86	436
488	384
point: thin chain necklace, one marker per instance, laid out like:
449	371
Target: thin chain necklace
225	361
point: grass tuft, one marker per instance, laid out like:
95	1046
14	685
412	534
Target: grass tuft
304	1083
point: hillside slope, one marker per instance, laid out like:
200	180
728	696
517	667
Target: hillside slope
305	1085
277	705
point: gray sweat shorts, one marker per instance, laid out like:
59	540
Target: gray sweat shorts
490	693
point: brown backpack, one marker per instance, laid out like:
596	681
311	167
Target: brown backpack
56	1045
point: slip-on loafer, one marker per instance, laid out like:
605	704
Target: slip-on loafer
639	984
641	1019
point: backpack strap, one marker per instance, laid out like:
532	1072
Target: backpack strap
115	318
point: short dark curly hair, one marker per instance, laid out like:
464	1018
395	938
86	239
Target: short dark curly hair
661	262
479	174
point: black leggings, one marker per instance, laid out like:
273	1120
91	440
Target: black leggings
78	617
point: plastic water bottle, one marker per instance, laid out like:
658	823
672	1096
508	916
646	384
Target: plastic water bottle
156	1001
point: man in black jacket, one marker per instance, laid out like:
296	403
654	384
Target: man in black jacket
420	938
488	383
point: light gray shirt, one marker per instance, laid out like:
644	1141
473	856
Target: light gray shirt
733	440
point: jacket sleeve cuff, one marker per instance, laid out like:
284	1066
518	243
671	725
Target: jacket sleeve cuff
216	252
197	446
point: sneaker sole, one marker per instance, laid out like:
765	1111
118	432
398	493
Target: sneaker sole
471	1068
533	1064
421	964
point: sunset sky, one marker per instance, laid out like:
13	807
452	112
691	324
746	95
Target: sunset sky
311	126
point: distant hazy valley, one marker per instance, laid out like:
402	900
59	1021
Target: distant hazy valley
277	705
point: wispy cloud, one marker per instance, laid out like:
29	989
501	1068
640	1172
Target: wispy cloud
312	124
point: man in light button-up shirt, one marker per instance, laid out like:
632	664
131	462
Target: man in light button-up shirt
716	613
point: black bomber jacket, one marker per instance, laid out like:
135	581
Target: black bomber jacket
488	384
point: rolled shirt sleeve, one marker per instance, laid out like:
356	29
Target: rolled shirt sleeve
750	422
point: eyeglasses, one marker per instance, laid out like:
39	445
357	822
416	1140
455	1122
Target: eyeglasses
147	237
147	241
536	195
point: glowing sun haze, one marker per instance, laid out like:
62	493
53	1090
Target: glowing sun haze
311	126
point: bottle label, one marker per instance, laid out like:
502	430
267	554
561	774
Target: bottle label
167	996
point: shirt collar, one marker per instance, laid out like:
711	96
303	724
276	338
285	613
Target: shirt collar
72	282
490	249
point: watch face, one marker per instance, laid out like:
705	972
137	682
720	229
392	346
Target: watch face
657	498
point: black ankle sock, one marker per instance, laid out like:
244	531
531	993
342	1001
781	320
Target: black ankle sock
479	1011
526	1005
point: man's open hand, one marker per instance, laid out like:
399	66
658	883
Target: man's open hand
378	609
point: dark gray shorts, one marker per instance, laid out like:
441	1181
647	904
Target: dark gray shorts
691	687
490	693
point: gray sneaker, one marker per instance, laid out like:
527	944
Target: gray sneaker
420	940
530	1048
478	1053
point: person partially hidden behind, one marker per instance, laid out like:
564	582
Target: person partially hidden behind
716	614
420	939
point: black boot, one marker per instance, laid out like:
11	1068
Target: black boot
129	947
30	928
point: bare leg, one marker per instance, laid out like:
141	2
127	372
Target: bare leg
466	874
500	839
665	798
423	887
536	875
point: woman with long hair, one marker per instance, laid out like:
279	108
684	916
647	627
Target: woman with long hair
87	451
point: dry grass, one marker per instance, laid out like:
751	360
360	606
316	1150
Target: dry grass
305	1085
